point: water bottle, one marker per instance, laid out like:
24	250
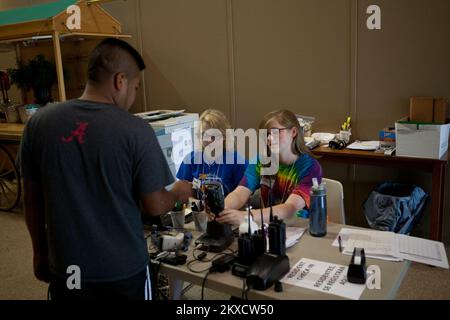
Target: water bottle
318	216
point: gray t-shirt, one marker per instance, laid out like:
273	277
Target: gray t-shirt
93	161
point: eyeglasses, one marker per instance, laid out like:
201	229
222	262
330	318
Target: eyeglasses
269	131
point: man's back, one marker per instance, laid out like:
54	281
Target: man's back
93	161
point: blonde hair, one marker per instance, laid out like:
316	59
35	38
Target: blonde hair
287	119
215	119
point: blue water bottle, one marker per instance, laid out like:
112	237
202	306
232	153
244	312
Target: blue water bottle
318	217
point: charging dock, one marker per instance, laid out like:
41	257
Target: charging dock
266	270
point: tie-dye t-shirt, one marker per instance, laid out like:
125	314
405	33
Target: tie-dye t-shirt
290	179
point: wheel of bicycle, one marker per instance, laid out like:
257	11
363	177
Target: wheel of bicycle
10	183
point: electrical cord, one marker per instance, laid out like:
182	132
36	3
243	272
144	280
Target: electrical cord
158	260
208	270
213	257
243	289
203	260
193	270
232	251
247	291
197	259
204	282
164	297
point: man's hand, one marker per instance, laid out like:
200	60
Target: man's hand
231	216
162	201
35	220
183	190
41	268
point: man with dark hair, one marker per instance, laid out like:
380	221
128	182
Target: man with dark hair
88	166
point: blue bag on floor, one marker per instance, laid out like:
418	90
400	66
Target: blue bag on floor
395	207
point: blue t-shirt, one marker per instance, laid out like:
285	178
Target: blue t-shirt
194	166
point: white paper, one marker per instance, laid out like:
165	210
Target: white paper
365	145
403	247
293	235
423	251
349	236
323	277
375	243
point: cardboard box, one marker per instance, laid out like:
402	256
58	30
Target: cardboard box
422	140
421	109
440	111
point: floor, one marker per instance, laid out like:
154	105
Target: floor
18	283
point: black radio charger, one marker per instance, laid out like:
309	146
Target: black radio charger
223	263
270	267
175	259
218	236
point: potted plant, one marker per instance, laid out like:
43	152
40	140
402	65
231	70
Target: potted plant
38	74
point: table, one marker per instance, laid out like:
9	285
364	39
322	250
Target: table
392	273
436	167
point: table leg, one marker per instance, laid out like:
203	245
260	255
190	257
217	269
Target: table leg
437	201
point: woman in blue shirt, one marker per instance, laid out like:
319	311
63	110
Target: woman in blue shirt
199	165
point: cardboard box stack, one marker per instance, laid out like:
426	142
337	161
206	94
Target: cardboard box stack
428	110
425	134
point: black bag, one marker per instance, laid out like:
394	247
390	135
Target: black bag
395	207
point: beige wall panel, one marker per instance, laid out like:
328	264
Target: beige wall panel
292	54
408	57
185	46
126	12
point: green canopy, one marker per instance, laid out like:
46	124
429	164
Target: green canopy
33	13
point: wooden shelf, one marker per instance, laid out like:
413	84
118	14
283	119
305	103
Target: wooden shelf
11	131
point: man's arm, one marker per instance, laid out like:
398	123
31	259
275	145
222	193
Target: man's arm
35	220
162	201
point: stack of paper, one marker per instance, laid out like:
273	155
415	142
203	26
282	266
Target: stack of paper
393	247
293	235
365	145
376	244
423	251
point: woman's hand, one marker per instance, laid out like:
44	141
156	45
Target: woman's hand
231	216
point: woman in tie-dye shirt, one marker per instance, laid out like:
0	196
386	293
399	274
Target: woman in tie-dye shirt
290	187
